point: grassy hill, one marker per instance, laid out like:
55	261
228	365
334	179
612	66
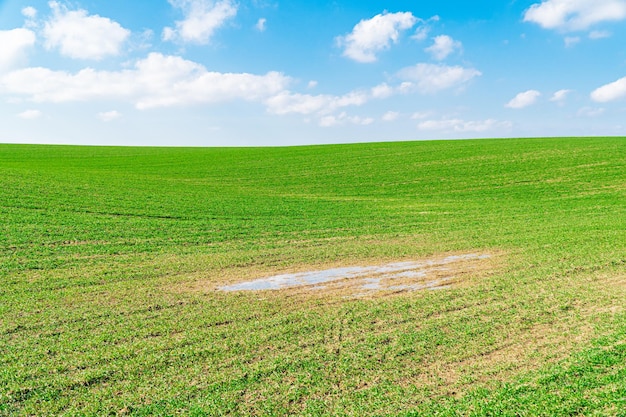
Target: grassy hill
111	260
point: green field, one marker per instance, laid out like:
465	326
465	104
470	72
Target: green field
111	259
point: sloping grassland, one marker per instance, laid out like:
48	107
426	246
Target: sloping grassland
111	260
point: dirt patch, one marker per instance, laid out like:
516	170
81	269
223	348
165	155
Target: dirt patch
359	281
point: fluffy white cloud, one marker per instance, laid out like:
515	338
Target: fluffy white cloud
524	99
202	19
572	15
109	116
288	103
390	116
421	115
260	25
383	90
14	45
463	126
599	34
30	114
343	118
79	35
422	32
560	95
321	107
571	41
168	34
157	81
430	78
443	46
374	35
29	12
590	112
610	92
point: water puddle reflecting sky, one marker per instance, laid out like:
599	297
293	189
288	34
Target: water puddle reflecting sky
367	278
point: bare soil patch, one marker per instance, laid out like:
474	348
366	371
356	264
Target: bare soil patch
435	273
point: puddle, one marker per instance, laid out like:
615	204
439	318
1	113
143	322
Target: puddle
431	274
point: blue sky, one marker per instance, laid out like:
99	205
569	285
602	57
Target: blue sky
271	72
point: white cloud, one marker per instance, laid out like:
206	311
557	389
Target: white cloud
156	81
109	116
374	35
168	34
571	41
343	118
524	99
590	112
406	87
430	78
29	12
560	95
420	115
328	121
14	45
573	15
144	39
421	33
382	91
390	116
260	25
443	46
599	34
610	92
463	126
30	114
288	103
312	84
79	35
202	19
322	105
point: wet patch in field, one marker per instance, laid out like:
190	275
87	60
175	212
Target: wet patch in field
429	274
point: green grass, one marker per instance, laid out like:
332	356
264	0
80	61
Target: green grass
110	259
